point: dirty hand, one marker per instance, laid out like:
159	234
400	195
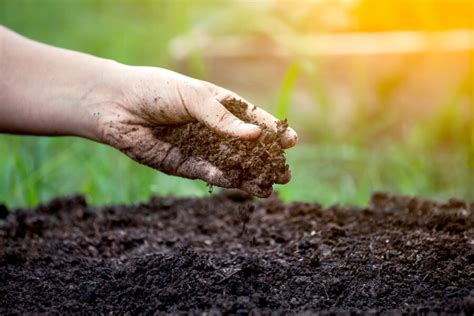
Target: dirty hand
46	90
148	97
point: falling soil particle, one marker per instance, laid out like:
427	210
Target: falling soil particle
261	162
170	255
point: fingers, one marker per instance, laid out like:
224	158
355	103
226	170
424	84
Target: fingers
142	145
284	178
199	169
252	187
174	163
290	137
194	168
218	118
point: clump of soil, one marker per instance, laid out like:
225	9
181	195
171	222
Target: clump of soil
398	255
261	161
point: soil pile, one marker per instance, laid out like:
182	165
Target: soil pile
231	254
262	161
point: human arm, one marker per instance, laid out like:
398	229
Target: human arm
46	90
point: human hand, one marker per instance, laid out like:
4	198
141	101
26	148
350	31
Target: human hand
150	97
75	94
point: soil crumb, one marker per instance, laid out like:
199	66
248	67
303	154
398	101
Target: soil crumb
398	256
260	161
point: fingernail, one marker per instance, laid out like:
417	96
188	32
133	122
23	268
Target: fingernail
290	139
249	131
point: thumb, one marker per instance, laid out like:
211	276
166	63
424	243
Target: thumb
222	121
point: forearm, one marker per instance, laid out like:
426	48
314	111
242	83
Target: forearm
49	91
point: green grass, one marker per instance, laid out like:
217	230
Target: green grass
36	169
331	167
286	92
348	174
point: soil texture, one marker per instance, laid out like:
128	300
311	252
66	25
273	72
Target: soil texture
231	254
261	162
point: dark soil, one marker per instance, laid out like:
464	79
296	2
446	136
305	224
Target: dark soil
233	255
262	161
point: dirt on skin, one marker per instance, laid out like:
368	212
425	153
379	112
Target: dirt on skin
230	254
262	161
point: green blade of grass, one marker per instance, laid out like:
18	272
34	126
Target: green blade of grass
287	90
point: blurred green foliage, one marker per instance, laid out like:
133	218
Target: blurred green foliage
339	168
286	92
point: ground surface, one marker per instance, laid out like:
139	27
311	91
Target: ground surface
233	255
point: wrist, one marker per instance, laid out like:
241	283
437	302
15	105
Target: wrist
98	101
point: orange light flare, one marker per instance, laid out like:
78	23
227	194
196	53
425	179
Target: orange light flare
410	55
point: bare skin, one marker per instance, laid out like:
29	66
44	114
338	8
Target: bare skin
51	91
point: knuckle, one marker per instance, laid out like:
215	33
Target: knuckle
172	160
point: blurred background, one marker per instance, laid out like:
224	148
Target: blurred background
380	91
